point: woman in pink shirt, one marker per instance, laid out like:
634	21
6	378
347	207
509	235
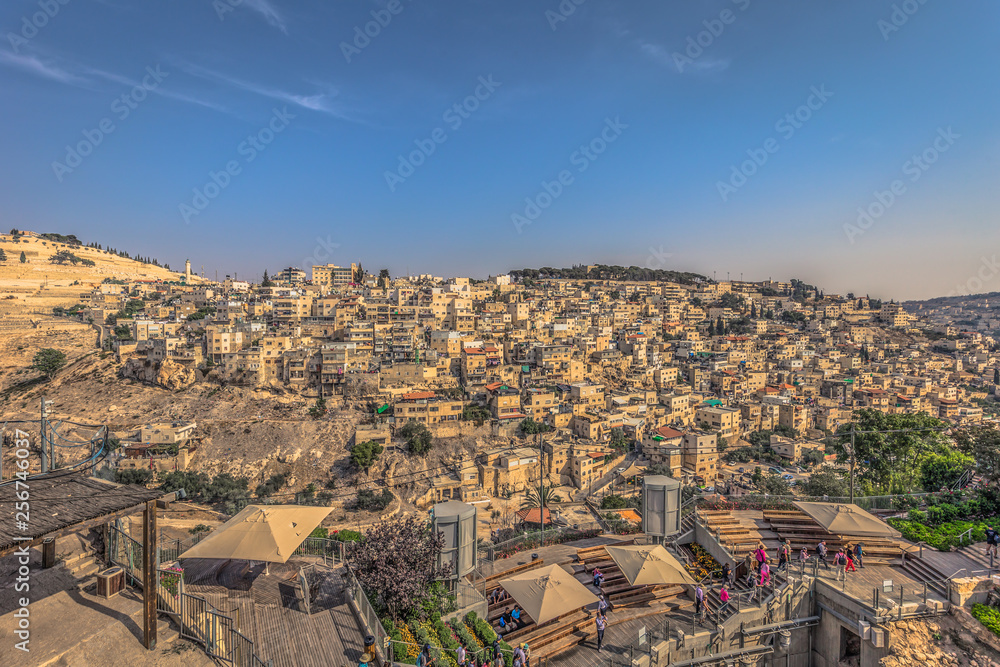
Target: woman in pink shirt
765	573
724	599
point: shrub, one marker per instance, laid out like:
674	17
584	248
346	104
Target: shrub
370	501
988	616
347	536
613	502
140	476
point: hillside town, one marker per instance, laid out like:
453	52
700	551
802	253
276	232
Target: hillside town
679	370
554	462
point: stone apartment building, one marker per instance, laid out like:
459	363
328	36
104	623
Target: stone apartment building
427	408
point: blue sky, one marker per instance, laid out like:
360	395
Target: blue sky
644	128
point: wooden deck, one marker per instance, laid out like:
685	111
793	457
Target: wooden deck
267	611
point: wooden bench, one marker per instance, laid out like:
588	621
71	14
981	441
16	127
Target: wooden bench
770	514
494	580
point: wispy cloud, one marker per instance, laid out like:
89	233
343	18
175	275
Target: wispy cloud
270	14
36	66
682	63
84	76
657	53
159	90
322	101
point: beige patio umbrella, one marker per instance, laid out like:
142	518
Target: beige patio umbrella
268	533
548	592
649	564
632	471
849	520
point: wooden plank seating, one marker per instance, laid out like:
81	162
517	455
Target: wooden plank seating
586	552
493	580
585	630
770	514
552	632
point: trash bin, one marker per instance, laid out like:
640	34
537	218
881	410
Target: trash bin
48	552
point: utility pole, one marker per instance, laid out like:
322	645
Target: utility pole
853	461
45	464
541	490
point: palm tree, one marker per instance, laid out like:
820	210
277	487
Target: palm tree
549	496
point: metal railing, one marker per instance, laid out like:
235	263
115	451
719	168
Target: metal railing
198	620
331	551
466	595
368	615
490	551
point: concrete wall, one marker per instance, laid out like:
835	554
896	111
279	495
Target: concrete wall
710	544
828	642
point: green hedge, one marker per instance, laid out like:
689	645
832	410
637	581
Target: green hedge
486	635
941	537
988	616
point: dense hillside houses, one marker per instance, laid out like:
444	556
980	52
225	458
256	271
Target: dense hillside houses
591	357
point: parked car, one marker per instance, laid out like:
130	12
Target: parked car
775	470
742	470
787	477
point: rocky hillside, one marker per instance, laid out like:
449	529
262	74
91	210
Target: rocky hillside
37	285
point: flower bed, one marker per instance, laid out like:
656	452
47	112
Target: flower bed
472	632
704	564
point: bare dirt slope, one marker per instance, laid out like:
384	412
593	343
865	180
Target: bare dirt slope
945	640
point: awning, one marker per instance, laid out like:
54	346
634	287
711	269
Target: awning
849	520
633	471
649	564
548	593
268	533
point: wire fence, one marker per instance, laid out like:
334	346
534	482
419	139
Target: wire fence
533	539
